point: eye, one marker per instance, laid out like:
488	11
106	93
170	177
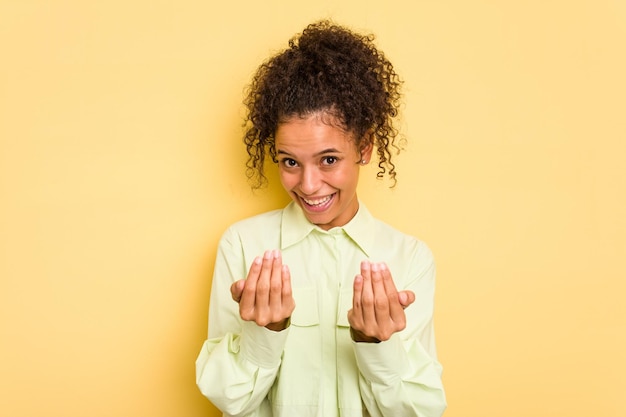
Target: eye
289	163
329	160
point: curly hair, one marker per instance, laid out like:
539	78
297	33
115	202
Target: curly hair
327	68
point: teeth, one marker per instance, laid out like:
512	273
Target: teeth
317	202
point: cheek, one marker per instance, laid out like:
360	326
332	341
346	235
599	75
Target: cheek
348	178
286	179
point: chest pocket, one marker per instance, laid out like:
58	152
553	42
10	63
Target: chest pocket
306	312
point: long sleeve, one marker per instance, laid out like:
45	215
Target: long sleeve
313	368
401	376
239	361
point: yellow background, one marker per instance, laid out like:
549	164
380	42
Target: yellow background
121	164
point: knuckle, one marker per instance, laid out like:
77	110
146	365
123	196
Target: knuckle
277	318
275	286
401	324
386	335
246	315
261	319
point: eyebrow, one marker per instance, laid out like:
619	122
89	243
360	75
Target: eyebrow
324	152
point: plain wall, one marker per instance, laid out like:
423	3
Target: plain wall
121	164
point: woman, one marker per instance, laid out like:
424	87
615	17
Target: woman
334	316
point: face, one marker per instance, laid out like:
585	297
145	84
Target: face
319	167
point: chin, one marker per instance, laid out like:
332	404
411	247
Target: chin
325	222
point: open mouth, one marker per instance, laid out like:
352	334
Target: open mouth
317	204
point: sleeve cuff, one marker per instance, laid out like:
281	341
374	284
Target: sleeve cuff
383	362
262	346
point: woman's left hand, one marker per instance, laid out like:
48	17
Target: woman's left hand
377	306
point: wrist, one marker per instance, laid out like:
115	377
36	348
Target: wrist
359	337
279	326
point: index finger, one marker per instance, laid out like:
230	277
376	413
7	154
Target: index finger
395	308
248	295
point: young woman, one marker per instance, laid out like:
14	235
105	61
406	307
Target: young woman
319	309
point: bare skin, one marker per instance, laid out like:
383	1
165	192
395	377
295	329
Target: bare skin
377	306
319	166
377	312
265	295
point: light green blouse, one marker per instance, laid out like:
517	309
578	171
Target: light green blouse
313	368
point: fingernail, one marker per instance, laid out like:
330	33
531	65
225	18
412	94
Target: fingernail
257	260
276	253
267	254
403	298
375	267
365	265
383	266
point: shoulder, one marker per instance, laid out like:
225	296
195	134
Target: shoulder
407	246
263	219
257	227
410	258
408	255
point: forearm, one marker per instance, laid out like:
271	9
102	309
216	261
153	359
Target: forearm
236	372
399	378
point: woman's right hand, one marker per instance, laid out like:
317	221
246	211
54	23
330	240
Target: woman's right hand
265	295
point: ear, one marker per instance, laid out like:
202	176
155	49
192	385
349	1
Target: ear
366	153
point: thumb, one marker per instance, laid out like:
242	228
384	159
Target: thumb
406	298
236	290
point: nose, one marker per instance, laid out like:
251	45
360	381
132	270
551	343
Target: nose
310	180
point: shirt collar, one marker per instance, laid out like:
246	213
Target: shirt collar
296	227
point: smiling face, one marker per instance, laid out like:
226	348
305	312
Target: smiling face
319	167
